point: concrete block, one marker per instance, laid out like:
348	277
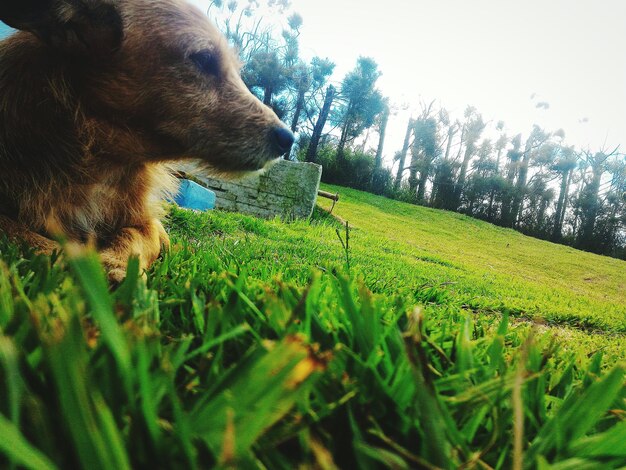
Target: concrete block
286	189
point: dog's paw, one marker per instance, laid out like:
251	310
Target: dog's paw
164	238
114	266
43	245
116	275
19	232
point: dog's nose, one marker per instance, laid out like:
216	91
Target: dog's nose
282	139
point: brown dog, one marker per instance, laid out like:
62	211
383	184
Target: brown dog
95	95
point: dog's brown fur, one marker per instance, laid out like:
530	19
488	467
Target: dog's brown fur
95	95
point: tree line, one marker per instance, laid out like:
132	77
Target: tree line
536	184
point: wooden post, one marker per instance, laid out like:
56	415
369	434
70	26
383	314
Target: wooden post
331	196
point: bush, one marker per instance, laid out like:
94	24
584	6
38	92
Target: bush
403	193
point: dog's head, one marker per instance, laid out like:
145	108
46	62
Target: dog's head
163	72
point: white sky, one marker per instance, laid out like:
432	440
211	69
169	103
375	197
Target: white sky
491	54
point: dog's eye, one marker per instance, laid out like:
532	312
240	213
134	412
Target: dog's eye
206	62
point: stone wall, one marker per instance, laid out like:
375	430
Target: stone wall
287	189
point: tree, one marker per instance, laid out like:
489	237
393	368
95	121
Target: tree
361	102
453	128
266	72
444	185
611	231
473	128
402	153
382	129
480	182
306	82
270	61
311	152
497	181
514	155
423	151
247	31
536	138
589	201
301	83
540	196
563	167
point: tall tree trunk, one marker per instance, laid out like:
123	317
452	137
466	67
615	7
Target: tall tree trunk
590	206
452	129
421	183
428	155
344	136
577	213
433	192
492	194
569	182
561	205
403	152
469	152
378	161
470	207
341	156
365	140
541	215
311	152
415	155
458	155
498	160
520	187
514	155
297	111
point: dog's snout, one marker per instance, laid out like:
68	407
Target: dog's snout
282	139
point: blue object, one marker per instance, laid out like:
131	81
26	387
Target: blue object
5	31
193	196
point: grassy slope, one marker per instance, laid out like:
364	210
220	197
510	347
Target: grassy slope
492	267
249	346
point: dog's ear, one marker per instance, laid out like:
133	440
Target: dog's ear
92	26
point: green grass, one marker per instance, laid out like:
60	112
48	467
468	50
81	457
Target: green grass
433	341
492	267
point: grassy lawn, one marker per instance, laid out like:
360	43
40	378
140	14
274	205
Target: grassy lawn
490	267
430	341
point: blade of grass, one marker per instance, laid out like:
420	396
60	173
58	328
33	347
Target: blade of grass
95	435
19	450
91	278
577	415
